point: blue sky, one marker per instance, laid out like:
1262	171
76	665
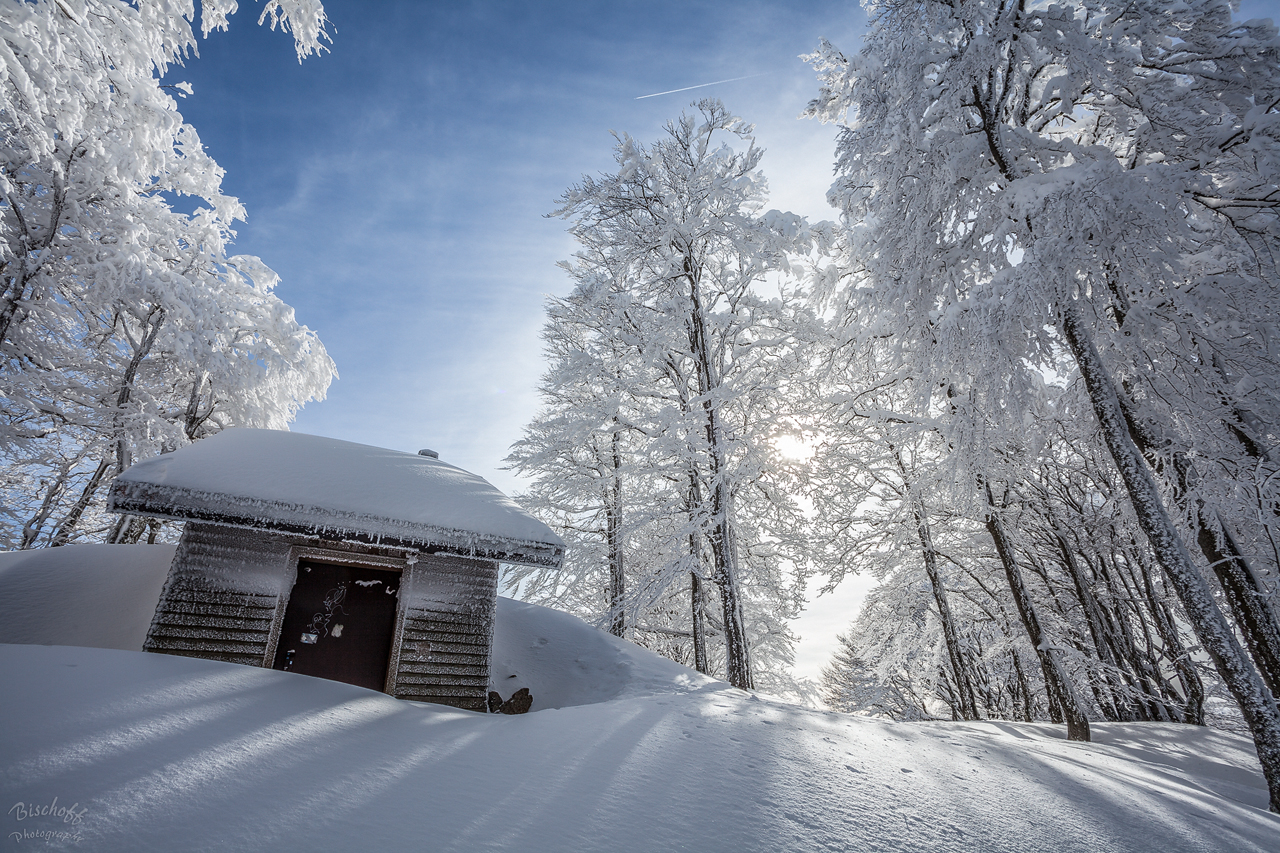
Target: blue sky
399	183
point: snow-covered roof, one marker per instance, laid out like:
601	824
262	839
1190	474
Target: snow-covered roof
335	489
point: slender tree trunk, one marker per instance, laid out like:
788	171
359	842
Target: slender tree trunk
1057	683
34	250
1024	687
737	652
613	522
1097	630
1212	630
723	550
193	418
968	706
128	530
31	530
699	607
1136	665
72	518
1192	686
697	592
1244	594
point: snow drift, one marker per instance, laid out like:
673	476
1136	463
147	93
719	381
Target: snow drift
624	751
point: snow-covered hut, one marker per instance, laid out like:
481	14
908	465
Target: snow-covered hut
333	559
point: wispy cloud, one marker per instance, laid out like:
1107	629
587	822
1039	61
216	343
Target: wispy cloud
703	85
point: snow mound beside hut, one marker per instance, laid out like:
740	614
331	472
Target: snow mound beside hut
564	662
103	596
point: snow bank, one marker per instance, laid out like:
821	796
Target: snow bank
103	596
162	753
82	595
563	661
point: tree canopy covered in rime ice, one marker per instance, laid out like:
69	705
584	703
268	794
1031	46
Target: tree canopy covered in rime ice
126	327
672	373
1075	205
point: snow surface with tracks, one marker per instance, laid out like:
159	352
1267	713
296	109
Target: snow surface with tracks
623	751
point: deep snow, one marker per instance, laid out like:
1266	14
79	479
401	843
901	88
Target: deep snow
623	751
82	595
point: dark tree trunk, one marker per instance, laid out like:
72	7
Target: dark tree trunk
720	535
1059	687
72	519
1244	595
613	522
697	593
1024	687
31	530
967	706
1212	630
699	606
1192	686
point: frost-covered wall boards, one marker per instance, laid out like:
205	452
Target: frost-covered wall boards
333	559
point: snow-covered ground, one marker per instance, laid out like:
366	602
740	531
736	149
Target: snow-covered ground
623	751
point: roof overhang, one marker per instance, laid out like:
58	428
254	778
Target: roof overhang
335	490
187	505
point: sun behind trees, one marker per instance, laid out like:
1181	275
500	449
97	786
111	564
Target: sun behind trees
669	382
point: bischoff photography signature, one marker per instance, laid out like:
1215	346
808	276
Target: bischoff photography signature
70	816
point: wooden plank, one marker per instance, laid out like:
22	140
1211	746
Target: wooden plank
473	658
225	657
443	617
446	690
218	603
238	633
424	688
202	646
445	638
427	668
443	694
476	703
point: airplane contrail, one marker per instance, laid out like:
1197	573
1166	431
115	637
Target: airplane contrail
701	85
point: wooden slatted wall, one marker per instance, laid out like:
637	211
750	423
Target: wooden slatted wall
448	632
221	596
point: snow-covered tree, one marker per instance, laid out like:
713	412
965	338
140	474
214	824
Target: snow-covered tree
1084	189
682	371
585	449
126	328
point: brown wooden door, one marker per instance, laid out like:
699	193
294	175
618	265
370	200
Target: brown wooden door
339	623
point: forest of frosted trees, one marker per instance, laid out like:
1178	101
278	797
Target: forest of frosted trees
1028	380
1034	366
